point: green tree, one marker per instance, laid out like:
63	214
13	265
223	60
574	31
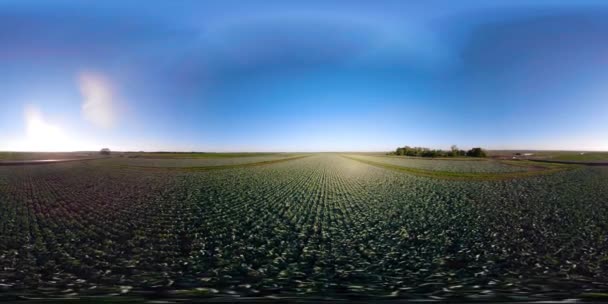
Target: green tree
476	152
454	150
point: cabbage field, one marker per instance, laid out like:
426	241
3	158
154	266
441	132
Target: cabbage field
450	165
319	226
193	162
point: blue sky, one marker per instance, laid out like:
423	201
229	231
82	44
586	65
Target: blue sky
303	75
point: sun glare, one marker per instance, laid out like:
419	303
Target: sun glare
41	135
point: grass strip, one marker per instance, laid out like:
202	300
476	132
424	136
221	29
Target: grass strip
468	176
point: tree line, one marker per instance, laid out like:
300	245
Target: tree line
426	152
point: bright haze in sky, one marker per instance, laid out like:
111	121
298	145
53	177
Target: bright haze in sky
303	75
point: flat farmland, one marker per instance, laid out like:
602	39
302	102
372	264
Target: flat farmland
450	165
318	226
155	161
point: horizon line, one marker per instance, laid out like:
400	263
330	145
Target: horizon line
286	151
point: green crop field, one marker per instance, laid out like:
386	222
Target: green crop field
472	165
312	226
571	156
198	162
581	156
5	155
196	155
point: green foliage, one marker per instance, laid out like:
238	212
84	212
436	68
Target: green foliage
419	151
476	152
426	152
321	226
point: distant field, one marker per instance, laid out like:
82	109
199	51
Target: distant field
588	156
463	170
196	155
158	155
149	161
45	155
556	155
473	165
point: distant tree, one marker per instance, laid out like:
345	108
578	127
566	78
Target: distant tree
454	150
476	152
104	151
426	152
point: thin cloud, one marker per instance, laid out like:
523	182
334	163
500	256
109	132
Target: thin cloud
98	105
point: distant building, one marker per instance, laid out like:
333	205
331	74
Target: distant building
519	155
104	151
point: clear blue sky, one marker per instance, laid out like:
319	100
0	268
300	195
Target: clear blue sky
303	75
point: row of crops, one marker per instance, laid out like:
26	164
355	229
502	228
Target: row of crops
320	226
462	166
192	162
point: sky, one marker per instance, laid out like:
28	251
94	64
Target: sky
302	75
